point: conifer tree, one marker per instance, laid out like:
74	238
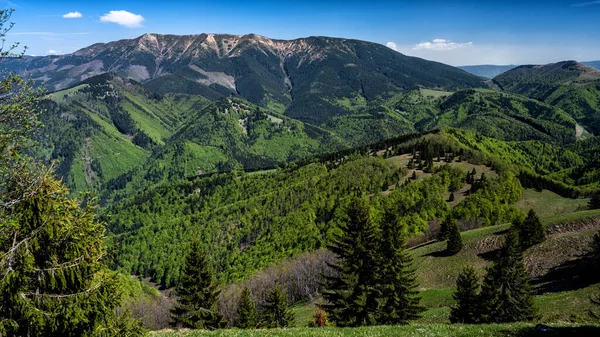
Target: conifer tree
454	244
467	297
197	293
506	295
52	280
531	232
397	283
594	202
414	175
451	198
247	316
351	296
277	313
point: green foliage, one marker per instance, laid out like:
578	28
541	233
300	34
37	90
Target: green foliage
531	232
455	243
277	313
352	296
53	283
466	297
197	294
375	283
247	316
247	221
397	282
506	295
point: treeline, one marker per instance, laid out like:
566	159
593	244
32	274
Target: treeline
245	221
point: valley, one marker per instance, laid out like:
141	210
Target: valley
326	176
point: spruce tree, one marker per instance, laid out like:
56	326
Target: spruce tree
52	280
247	316
594	202
351	296
277	313
454	244
531	232
397	283
414	175
451	198
197	293
467	297
506	295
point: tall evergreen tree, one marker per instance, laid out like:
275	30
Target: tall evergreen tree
197	293
467	297
247	316
454	244
397	282
52	280
277	313
506	295
351	296
531	231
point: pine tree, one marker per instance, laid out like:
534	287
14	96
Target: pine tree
454	244
351	297
451	198
467	298
397	283
197	293
594	203
414	175
52	280
506	295
531	232
277	313
247	316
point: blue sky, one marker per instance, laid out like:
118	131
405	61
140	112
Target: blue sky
453	32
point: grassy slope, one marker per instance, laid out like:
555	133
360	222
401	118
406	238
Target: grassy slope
437	273
429	330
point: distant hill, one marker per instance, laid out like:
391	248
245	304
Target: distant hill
487	70
306	79
571	86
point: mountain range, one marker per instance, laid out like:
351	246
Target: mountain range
491	71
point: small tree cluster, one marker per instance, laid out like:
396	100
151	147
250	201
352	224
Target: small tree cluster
375	284
506	295
275	314
531	231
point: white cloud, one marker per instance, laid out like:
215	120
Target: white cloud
54	52
441	45
392	45
583	4
72	15
123	18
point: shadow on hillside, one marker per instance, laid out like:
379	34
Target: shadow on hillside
491	255
439	253
580	331
571	275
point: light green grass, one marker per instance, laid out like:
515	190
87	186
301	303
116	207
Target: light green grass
421	330
435	93
547	203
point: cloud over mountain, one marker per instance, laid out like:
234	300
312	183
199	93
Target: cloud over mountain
123	18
